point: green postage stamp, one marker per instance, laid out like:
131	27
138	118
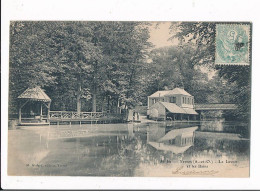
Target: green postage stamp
232	44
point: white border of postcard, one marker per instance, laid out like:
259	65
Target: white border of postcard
129	10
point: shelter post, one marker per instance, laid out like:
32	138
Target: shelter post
41	112
48	111
20	114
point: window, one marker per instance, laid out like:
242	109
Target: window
161	100
192	101
188	100
153	101
182	99
173	99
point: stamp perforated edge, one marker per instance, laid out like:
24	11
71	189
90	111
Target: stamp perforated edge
249	45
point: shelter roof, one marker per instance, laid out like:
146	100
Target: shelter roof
35	94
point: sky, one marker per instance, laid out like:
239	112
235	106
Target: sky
159	35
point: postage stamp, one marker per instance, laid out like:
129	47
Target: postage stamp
232	44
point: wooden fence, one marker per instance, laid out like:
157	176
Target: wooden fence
71	115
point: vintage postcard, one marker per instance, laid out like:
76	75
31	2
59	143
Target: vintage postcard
129	99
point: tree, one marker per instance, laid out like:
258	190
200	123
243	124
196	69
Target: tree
203	35
176	66
29	55
124	46
54	55
77	60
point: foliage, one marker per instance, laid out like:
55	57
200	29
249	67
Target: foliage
98	66
77	60
177	66
236	78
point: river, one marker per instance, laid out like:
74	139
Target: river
208	148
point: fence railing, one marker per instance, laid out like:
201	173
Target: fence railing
70	115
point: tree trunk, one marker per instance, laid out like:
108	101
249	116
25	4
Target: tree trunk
117	107
79	98
108	104
94	100
94	93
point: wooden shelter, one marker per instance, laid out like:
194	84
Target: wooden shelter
32	95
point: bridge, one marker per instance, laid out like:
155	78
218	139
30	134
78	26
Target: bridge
216	106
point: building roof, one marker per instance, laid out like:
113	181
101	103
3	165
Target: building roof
35	94
175	91
160	93
178	91
215	106
173	108
190	111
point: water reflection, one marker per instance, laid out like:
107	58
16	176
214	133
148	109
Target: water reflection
176	141
121	149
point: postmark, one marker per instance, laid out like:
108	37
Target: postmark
232	44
